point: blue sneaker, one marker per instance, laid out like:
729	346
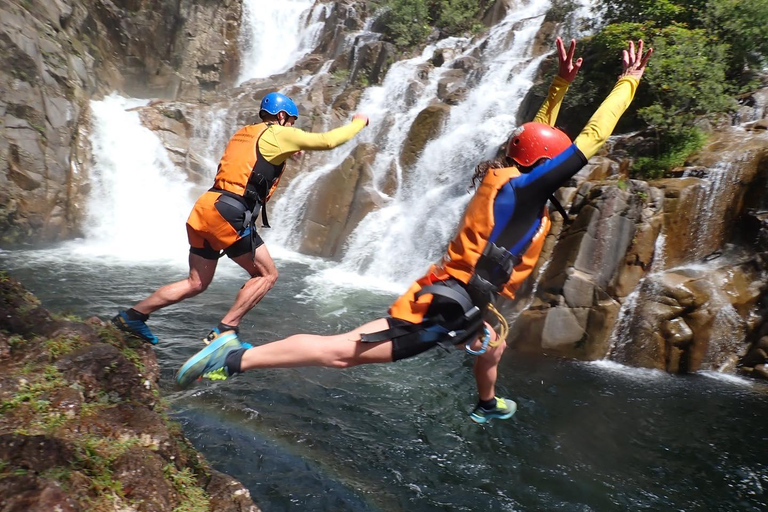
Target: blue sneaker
504	410
209	361
215	333
134	327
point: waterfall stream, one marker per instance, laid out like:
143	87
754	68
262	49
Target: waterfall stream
395	243
276	34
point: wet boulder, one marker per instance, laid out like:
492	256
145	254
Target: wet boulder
339	201
427	126
596	262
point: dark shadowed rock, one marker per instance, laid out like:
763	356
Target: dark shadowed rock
33	494
371	62
140	471
36	453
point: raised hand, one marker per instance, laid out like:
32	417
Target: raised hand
567	68
361	116
634	62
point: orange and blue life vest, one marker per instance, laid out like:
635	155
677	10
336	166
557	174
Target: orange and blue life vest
501	236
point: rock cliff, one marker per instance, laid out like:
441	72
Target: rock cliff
83	426
57	56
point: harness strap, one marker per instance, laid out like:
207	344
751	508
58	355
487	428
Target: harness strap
264	219
430	328
461	298
249	215
559	208
391	333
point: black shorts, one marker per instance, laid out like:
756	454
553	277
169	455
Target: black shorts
442	317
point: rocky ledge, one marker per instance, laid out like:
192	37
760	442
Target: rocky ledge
83	426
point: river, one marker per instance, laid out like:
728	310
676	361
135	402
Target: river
586	437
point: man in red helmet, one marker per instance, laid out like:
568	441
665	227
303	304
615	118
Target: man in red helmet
498	244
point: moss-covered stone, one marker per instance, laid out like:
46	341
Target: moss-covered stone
82	423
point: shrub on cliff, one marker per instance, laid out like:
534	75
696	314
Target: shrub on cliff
407	23
706	52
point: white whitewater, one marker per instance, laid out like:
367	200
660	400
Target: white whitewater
395	243
139	201
277	33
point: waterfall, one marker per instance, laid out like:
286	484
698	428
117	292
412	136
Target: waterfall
622	333
276	34
711	204
395	243
138	202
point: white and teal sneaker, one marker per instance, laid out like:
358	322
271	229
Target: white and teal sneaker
209	362
504	410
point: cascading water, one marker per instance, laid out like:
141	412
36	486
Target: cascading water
393	244
711	201
138	201
276	34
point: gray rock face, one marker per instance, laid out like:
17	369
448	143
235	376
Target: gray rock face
646	276
59	54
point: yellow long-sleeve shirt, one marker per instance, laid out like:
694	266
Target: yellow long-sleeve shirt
280	142
549	110
604	120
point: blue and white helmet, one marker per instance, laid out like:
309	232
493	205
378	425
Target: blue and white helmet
275	102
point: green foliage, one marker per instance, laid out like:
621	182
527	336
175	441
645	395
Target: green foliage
340	75
705	52
193	497
673	149
738	25
35	389
659	12
686	80
455	16
62	345
16	341
742	26
407	23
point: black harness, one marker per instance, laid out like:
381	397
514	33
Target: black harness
254	199
431	329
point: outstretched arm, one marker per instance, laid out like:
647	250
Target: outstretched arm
603	122
567	71
289	140
547	177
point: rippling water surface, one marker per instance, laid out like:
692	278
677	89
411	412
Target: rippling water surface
587	436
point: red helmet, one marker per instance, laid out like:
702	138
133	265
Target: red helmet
534	141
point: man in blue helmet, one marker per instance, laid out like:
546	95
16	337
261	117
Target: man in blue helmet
223	220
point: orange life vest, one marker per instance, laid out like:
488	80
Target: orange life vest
470	247
244	171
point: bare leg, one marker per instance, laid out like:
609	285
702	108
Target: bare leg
263	276
201	273
337	351
486	367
